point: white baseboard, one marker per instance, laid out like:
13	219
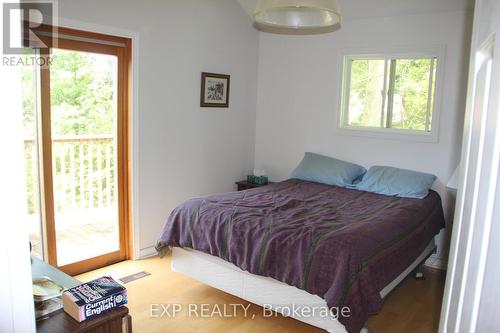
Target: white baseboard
436	262
147	252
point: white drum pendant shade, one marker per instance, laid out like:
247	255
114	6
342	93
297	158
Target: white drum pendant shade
297	14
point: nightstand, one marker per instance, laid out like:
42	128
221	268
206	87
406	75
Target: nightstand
244	185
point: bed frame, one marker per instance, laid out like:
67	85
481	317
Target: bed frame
274	294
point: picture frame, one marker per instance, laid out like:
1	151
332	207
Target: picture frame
214	90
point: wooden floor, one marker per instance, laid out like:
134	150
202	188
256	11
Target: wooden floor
413	307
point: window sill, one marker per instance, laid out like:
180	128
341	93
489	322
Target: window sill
389	134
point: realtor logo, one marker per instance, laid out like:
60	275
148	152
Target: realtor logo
23	23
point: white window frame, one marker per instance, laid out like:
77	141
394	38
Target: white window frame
414	52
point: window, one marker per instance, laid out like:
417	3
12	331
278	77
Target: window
389	94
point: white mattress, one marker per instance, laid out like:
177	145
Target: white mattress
260	290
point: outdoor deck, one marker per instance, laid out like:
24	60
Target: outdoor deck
80	235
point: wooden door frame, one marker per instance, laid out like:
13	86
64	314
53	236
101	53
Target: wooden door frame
124	146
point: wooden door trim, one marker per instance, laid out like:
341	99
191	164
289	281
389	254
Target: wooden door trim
126	146
86	265
124	163
45	149
123	151
62	32
81	46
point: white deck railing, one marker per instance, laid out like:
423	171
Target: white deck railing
83	171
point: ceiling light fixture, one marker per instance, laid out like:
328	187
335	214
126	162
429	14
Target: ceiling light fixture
298	14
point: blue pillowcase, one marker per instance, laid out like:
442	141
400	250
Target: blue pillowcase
327	170
396	182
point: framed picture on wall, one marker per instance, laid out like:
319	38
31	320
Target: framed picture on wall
214	90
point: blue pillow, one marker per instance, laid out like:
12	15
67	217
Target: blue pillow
327	170
396	182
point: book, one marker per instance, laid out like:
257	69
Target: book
94	298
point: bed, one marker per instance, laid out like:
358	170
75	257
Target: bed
304	244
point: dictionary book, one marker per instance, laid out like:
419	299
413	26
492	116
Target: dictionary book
93	298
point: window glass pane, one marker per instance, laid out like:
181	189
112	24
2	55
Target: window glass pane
366	93
31	171
411	94
433	91
84	107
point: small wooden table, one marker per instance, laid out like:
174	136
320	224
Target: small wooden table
114	321
244	185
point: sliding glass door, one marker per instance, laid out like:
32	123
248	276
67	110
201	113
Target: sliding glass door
83	134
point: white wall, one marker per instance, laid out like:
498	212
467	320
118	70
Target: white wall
17	314
298	93
183	150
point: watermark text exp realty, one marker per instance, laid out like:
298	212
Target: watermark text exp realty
206	310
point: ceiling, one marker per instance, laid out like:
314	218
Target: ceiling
355	9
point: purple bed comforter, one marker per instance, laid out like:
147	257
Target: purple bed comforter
340	244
